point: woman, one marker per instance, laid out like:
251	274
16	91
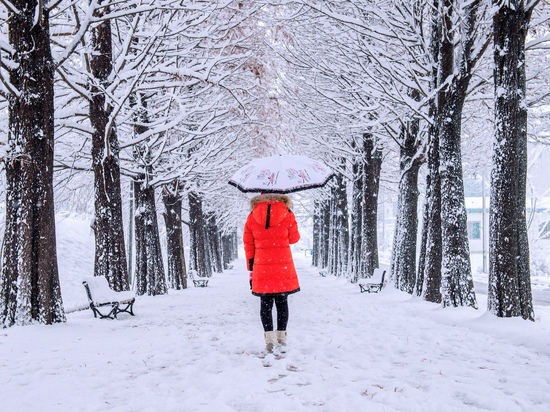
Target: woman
268	233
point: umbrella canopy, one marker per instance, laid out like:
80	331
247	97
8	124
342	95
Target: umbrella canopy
281	174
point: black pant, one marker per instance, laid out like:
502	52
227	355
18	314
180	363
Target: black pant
266	308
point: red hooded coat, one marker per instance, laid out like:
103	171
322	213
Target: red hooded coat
268	233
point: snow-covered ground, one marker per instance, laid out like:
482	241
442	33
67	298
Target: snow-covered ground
201	349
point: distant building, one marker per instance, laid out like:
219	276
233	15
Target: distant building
477	233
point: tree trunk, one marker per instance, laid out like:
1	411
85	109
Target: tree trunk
214	243
372	157
333	234
235	245
325	232
356	220
342	223
316	249
321	234
29	285
428	283
509	272
423	247
457	280
177	274
458	284
110	253
429	271
229	248
150	278
198	254
403	266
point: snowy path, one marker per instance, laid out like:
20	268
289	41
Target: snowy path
199	350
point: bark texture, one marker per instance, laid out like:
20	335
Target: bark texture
356	227
199	256
403	263
509	273
431	252
315	258
213	239
453	74
150	277
29	285
338	240
177	272
372	155
321	244
363	235
230	248
428	282
110	252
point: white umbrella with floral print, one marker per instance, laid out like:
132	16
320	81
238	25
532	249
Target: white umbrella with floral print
281	174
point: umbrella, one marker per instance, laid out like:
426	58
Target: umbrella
281	174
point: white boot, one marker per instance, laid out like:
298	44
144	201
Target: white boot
270	340
281	339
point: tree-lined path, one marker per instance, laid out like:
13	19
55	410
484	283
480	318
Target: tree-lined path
201	350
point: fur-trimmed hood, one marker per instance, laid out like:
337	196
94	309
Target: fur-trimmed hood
270	197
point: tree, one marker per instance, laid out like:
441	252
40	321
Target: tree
101	80
214	242
356	219
444	272
404	241
198	253
509	271
150	276
428	282
29	285
162	88
329	92
371	184
457	281
177	272
110	253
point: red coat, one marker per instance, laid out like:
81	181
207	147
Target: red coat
268	243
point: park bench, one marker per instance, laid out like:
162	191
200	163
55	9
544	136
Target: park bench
367	285
198	282
100	295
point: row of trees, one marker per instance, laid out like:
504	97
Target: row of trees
399	75
149	92
174	95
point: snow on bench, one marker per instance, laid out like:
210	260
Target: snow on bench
100	295
198	283
371	285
